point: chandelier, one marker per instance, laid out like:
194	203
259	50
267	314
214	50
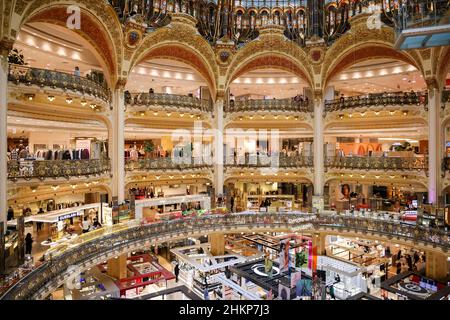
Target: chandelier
240	21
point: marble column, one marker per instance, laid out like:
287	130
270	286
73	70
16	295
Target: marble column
318	146
218	147
117	145
5	47
434	144
117	267
217	242
436	265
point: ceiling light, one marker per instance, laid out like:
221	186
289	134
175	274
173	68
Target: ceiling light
377	113
240	118
169	114
405	112
69	100
181	115
73	186
191	115
142	113
155	113
55	187
199	117
287	117
263	116
350	115
363	114
275	116
30	96
93	106
83	102
341	116
51	98
391	113
157	177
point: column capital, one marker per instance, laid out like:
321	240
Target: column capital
318	94
121	83
432	84
6	46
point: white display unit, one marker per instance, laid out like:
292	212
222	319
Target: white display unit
205	203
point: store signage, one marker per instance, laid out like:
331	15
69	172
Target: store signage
70	215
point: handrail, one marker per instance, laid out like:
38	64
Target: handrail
268	105
281	161
56	79
167	100
383	99
42	169
164	164
109	240
377	163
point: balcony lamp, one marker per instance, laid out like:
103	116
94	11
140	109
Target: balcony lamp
30	96
51	98
84	102
155	113
69	100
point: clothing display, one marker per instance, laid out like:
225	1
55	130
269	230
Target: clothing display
74	154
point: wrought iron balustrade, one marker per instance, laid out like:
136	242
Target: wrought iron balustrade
167	100
165	164
378	163
44	169
55	79
110	241
269	105
374	100
264	161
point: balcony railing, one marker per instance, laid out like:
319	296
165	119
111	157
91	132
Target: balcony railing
111	241
268	105
55	79
164	164
167	100
378	163
56	168
371	100
281	161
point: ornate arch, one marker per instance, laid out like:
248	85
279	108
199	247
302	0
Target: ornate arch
99	25
182	43
270	51
360	44
442	64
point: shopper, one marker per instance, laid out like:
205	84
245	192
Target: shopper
76	72
10	214
85	225
176	270
399	267
96	225
28	243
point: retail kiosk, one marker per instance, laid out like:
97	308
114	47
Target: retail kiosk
148	208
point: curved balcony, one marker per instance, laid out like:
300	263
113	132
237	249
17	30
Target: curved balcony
164	164
99	245
378	163
47	169
167	101
281	161
374	100
55	79
269	105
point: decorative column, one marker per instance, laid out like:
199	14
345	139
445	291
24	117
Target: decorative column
318	241
117	142
434	143
319	107
436	265
217	242
117	267
218	147
5	48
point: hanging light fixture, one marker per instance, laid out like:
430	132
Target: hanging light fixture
51	98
